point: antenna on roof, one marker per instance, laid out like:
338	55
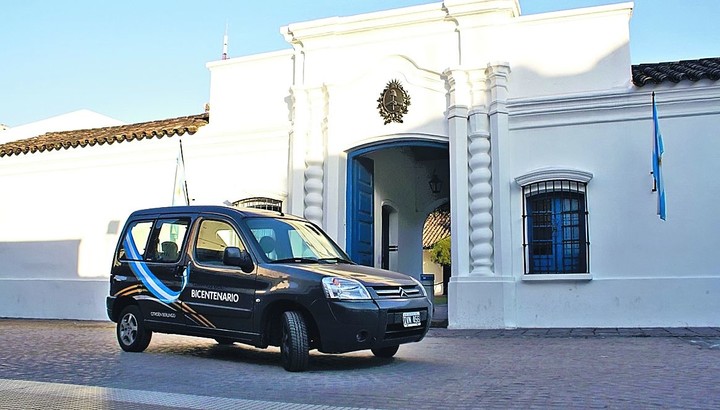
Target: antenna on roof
225	43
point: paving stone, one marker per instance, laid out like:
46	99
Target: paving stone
68	364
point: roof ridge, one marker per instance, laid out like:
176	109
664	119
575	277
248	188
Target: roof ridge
55	140
676	71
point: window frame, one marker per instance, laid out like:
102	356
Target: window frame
215	263
562	221
151	251
558	188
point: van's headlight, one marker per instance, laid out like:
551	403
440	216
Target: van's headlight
344	289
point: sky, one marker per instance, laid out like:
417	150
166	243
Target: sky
139	60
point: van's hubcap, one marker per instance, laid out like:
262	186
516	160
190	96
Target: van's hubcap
128	329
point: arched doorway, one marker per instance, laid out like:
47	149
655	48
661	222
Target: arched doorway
388	192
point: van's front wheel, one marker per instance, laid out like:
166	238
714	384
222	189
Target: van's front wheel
131	333
294	350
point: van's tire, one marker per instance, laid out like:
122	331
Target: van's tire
385	352
294	349
131	333
224	341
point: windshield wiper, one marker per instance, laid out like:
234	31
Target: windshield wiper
334	260
296	260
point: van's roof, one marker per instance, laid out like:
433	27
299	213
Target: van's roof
217	209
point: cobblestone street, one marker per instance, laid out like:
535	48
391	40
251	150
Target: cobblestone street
79	365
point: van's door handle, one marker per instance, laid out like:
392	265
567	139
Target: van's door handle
180	271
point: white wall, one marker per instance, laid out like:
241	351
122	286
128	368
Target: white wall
56	234
58	228
645	271
577	51
250	93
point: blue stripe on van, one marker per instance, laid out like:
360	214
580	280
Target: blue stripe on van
143	272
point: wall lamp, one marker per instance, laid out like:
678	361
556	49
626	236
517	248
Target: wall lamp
435	184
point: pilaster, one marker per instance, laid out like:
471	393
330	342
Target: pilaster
497	82
300	118
457	117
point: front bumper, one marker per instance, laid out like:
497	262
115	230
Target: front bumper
346	326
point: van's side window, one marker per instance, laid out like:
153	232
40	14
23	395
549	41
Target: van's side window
167	239
213	237
137	235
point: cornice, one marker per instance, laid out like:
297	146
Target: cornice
632	104
554	173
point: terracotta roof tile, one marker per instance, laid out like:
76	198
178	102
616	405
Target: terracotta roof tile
692	70
106	135
437	226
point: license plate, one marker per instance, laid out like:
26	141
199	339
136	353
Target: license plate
411	319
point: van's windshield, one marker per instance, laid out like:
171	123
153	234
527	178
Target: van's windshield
288	240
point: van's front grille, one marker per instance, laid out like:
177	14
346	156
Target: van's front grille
395	329
397	292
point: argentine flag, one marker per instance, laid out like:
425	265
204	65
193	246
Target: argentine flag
658	150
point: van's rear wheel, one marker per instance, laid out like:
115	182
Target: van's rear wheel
131	333
385	351
294	349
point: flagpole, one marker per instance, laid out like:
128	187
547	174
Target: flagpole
654	187
182	158
225	43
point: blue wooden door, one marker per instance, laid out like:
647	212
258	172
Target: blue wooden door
362	245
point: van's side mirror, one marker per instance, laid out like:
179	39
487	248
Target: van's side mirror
234	256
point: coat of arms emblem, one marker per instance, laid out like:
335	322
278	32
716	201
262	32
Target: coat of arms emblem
393	102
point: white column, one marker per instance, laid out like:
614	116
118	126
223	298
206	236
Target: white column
458	136
300	120
315	156
484	297
300	114
497	74
480	177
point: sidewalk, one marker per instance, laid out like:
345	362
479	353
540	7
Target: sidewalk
440	321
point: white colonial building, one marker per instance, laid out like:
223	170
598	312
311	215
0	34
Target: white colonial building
536	130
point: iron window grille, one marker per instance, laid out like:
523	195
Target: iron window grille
259	203
555	235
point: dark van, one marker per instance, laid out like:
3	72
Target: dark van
256	277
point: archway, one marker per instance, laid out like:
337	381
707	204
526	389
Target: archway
387	195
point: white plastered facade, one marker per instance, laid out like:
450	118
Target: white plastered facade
515	98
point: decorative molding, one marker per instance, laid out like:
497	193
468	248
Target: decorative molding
393	102
629	104
314	191
497	74
553	173
480	193
314	185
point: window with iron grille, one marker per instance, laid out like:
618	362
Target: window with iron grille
555	236
260	203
